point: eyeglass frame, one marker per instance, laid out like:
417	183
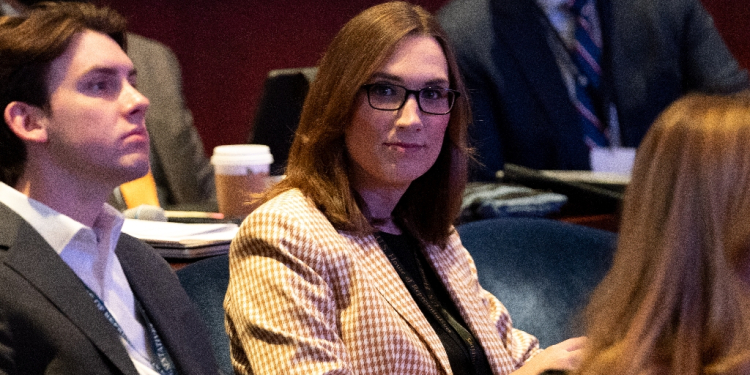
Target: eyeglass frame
409	92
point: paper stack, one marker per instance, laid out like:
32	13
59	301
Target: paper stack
181	240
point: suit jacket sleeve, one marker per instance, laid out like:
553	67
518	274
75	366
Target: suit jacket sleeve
484	134
469	27
7	365
710	67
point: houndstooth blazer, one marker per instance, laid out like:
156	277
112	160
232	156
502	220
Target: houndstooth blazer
304	298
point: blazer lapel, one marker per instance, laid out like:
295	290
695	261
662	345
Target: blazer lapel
387	281
517	25
450	265
167	306
33	259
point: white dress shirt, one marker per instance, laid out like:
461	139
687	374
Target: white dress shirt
7	10
90	253
560	18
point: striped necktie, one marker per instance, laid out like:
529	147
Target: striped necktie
586	55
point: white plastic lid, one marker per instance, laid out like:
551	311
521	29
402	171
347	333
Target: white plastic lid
241	155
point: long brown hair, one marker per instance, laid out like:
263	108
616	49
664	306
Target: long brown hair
675	301
28	45
318	162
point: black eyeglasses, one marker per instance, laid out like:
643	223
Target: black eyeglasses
432	100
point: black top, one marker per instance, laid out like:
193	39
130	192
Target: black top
465	354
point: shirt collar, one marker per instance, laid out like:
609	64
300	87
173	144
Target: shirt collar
552	4
553	7
7	10
58	229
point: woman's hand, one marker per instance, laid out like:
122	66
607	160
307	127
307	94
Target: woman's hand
566	356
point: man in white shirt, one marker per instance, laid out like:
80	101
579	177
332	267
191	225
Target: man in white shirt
78	296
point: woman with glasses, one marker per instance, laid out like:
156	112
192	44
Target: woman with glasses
351	265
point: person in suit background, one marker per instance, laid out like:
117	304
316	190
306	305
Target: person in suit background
352	264
77	295
183	175
182	172
677	299
552	79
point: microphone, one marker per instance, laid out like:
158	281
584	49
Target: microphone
146	212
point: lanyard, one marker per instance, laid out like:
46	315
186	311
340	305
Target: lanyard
445	319
163	365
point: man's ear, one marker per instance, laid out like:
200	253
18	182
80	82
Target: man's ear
27	121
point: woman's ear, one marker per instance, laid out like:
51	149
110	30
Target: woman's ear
27	121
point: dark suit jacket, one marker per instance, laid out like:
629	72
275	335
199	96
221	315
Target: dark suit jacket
182	172
654	51
50	325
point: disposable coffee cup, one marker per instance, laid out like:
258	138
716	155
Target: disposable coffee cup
241	172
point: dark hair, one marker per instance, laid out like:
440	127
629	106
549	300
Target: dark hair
28	45
318	162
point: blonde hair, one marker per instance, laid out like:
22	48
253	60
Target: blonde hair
674	301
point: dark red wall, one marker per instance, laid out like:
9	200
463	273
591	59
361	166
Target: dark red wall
732	18
226	47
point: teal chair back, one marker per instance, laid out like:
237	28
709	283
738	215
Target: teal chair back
542	270
205	282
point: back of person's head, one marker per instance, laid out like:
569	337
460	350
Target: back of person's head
318	161
677	300
28	45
